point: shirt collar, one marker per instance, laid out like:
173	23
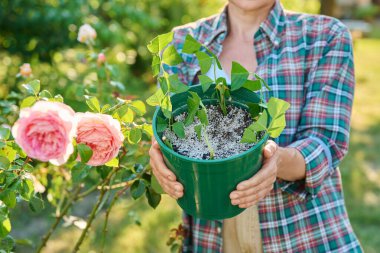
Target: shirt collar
273	26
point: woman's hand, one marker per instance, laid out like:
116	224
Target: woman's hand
165	177
250	191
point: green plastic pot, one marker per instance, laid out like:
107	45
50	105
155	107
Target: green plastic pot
208	183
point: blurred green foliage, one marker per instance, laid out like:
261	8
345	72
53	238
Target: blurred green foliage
43	32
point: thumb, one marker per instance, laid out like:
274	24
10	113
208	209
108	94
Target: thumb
269	149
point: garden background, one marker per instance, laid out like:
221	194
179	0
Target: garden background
44	34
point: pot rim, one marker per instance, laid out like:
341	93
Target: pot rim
201	161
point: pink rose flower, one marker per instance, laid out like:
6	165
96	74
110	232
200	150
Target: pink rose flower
101	59
102	134
45	131
25	70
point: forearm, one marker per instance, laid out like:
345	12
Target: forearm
291	166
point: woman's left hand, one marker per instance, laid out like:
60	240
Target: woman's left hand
250	191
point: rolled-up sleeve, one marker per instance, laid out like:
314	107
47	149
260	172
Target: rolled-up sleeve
322	135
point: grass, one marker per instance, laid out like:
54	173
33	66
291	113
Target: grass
361	168
360	171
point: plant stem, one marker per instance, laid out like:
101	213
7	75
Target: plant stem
94	209
108	211
58	219
87	192
210	149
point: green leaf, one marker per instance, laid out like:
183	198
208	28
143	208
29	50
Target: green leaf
171	56
4	133
252	85
191	45
179	129
198	130
202	116
32	87
168	144
205	61
26	189
156	185
277	107
261	123
147	129
165	86
58	98
126	114
8	152
27	102
156	98
9	198
85	152
166	106
176	86
45	94
79	172
164	40
113	162
156	63
138	107
160	42
134	135
36	204
253	109
137	189
153	198
4	163
205	82
5	226
105	108
193	103
277	126
153	45
162	124
249	136
7	244
102	74
239	76
93	103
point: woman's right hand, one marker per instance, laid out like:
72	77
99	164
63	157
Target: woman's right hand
165	177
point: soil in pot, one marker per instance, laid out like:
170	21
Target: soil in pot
224	134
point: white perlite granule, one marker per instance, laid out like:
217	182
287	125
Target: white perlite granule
224	133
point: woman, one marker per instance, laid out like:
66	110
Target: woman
307	61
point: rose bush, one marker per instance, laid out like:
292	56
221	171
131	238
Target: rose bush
52	155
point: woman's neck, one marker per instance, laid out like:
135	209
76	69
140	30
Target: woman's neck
243	23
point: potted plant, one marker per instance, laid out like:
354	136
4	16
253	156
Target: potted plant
212	134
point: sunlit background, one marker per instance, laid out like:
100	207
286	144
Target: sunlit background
44	33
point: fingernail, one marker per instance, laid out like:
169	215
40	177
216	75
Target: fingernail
171	178
241	186
235	202
234	195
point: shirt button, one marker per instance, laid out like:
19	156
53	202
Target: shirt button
218	230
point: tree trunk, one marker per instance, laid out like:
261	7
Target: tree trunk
328	7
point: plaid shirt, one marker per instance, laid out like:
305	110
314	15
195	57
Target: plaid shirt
306	60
